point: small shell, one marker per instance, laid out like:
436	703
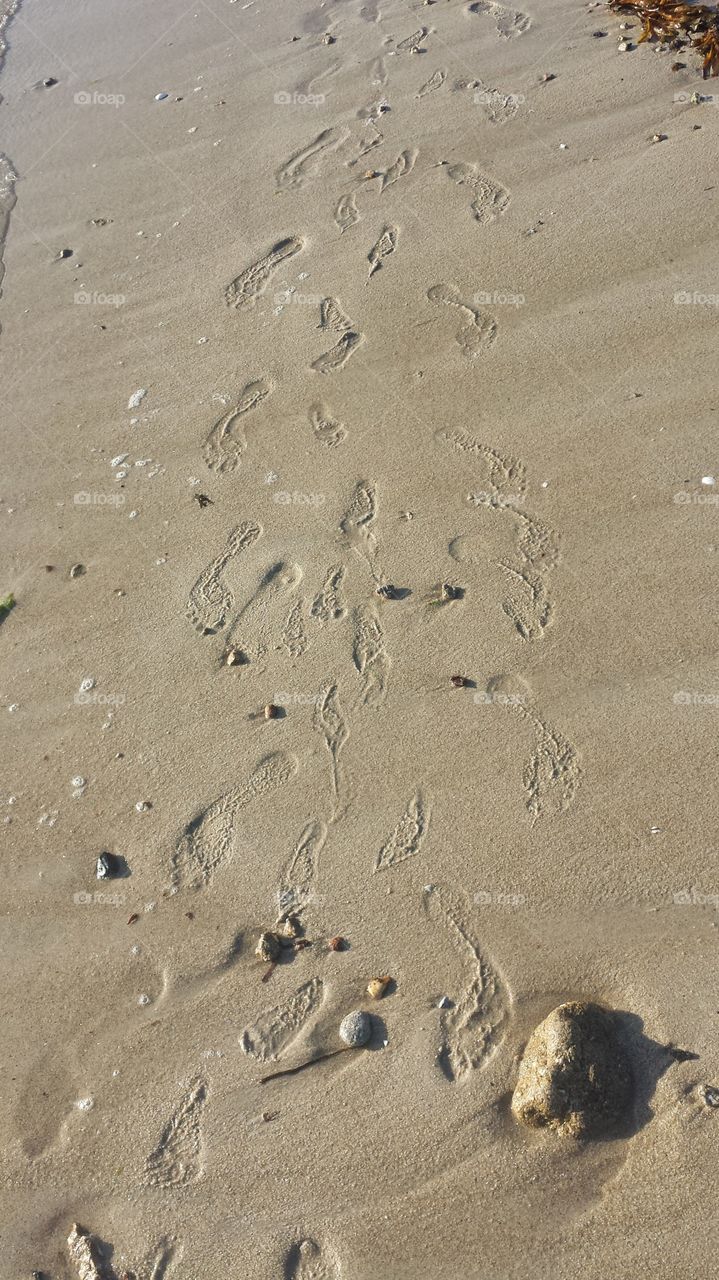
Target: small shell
271	711
459	682
356	1028
77	570
376	987
289	926
268	947
337	943
235	658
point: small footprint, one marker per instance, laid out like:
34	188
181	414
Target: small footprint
505	475
307	1261
473	1027
177	1158
479	334
370	656
346	214
406	839
412	43
330	721
206	843
303	163
333	317
404	164
245	289
210	601
436	80
294	637
329	605
298	881
251	628
227	441
276	1029
385	246
358	519
509	22
327	430
489	198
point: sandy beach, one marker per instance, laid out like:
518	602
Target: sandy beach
360	532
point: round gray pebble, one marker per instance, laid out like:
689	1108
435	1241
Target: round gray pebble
356	1028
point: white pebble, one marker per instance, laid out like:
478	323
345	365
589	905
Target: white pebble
137	396
708	480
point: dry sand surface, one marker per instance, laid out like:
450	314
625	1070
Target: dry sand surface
380	297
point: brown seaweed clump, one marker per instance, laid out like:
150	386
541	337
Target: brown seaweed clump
678	23
574	1077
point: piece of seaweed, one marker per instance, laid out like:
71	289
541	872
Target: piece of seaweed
665	20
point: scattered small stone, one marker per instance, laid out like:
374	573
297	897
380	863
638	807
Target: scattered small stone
459	682
574	1077
679	66
268	947
710	1095
337	943
624	46
451	592
136	398
84	1254
564	146
356	1028
598	35
547	76
134	918
143	806
328	39
236	658
143	1000
78	780
108	866
64	253
376	987
160	97
77	570
49	82
288	927
202	500
444	1002
272	711
658	137
387	591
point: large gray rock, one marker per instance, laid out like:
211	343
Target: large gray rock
574	1076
